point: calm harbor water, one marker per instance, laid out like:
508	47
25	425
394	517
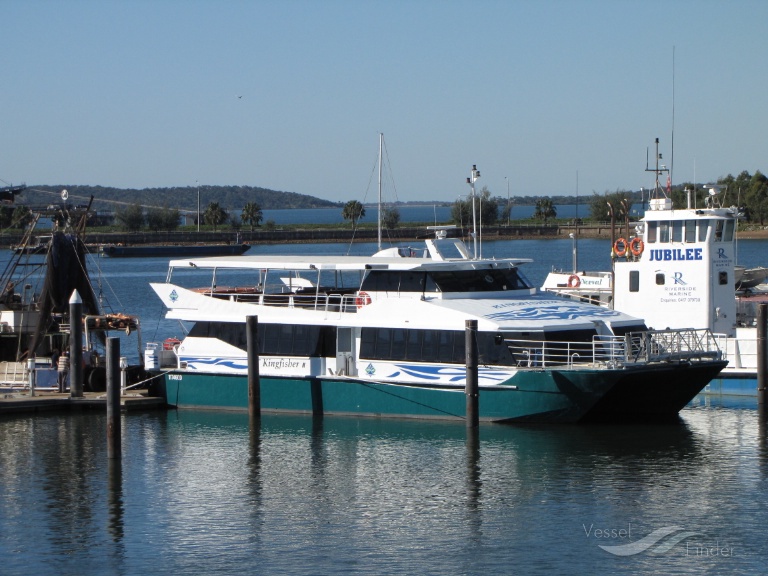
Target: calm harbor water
202	493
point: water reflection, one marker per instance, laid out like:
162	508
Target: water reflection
202	491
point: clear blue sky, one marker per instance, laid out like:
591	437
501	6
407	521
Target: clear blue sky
291	95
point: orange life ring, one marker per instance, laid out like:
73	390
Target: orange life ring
636	246
620	247
574	281
362	299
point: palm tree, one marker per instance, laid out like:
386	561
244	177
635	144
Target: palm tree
390	218
545	210
214	215
252	214
353	210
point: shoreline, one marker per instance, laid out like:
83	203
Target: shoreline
294	236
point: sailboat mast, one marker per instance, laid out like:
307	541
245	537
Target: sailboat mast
381	142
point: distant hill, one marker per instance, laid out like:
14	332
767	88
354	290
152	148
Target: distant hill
183	198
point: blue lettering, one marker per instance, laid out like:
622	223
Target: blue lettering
721	253
678	277
676	254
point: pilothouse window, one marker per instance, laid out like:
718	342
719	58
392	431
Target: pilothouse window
690	231
703	228
664	232
728	233
718	231
652	228
677	231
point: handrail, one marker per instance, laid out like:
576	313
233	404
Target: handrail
683	345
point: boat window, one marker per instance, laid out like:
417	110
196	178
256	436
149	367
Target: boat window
413	345
634	281
651	237
718	230
448	346
677	231
664	232
398	343
703	229
660	279
484	280
450	349
395	281
723	278
728	234
690	231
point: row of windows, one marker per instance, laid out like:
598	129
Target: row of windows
486	280
689	231
397	344
449	346
274	339
661	279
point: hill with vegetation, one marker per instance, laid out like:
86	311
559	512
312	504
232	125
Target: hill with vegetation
179	197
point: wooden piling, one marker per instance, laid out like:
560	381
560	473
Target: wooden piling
471	387
76	345
254	382
114	435
762	355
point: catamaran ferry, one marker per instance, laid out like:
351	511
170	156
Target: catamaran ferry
384	336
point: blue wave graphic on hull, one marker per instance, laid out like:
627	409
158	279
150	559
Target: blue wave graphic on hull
232	363
433	373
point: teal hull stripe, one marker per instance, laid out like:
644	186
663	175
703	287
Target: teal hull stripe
546	395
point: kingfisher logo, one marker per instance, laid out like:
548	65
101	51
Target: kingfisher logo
173	296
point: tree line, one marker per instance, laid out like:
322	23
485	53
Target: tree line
183	197
747	191
134	217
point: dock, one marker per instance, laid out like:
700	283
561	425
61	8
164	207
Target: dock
20	402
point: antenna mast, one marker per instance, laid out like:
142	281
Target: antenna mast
381	142
672	157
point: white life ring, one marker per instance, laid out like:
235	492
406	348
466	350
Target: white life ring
574	281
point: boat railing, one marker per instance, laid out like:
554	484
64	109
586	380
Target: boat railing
328	300
616	351
683	345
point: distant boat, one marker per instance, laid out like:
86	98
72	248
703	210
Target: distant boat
34	245
119	251
750	277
